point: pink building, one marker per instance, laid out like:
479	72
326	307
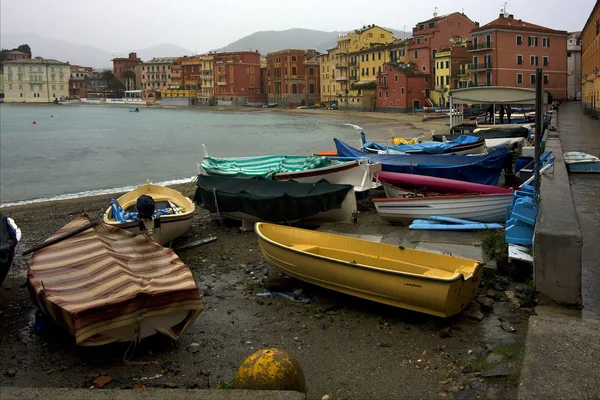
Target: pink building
120	65
401	87
237	78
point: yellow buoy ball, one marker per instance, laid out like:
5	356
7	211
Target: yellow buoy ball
270	369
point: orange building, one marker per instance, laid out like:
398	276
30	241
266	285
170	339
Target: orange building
122	64
237	78
293	77
507	51
78	80
590	60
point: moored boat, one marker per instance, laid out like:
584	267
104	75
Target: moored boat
476	207
253	200
106	285
426	282
170	215
464	144
577	161
439	185
10	234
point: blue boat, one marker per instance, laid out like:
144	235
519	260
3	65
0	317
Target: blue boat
464	144
484	169
582	162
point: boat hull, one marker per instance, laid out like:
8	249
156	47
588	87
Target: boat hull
378	272
10	234
106	285
582	162
476	207
433	184
171	226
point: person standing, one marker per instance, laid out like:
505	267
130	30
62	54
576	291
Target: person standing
501	114
508	112
489	112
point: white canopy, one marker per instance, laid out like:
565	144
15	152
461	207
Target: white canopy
493	95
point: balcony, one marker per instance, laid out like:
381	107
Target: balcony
480	46
205	69
382	83
354	78
341	78
206	77
440	88
222	83
206	86
340	66
221	73
353	64
480	67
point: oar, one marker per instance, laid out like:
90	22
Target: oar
61	237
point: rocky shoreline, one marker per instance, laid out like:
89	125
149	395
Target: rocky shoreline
349	348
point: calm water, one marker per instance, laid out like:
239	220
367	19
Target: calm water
94	148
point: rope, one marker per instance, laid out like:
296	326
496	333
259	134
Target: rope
134	343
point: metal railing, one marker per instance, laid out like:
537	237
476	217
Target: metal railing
480	66
480	46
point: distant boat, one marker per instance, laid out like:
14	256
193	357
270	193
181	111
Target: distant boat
430	283
134	110
577	161
270	105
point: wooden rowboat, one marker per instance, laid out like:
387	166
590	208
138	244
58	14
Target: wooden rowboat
107	285
175	210
426	282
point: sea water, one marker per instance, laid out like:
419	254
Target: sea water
75	151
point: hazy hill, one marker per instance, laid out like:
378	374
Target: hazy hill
295	38
82	54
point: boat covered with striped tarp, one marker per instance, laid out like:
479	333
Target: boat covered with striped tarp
107	285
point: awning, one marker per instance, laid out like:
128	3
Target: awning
493	95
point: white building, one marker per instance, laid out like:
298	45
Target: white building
37	80
574	66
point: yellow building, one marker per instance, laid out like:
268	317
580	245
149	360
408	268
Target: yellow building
449	66
207	85
334	75
36	80
590	60
156	76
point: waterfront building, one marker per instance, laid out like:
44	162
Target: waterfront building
334	76
590	59
97	86
122	64
236	78
293	77
447	67
507	51
78	81
17	55
574	66
36	80
207	80
400	87
156	76
1	84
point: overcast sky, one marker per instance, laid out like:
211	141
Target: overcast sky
202	25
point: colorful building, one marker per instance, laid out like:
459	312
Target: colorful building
334	76
122	64
78	81
237	78
574	66
293	77
207	79
590	59
447	67
156	76
507	51
17	55
400	88
36	80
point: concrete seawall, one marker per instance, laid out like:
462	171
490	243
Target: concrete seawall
557	239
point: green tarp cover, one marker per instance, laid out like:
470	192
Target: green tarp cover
271	201
264	167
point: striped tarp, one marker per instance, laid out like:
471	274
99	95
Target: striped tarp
106	284
264	166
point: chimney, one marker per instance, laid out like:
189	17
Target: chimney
132	56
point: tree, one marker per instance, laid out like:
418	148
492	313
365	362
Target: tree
128	76
118	88
109	77
24	48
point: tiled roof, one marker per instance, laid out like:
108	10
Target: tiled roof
443	17
37	60
409	69
510	22
161	60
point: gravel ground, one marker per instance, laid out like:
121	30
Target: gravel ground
349	348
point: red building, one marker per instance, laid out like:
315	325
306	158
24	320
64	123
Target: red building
78	80
122	64
400	87
293	77
433	35
507	51
237	78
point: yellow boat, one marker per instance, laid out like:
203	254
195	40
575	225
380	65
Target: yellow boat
417	280
176	213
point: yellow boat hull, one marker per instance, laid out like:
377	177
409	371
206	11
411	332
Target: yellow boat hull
416	280
171	227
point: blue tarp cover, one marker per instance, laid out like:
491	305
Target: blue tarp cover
484	169
426	147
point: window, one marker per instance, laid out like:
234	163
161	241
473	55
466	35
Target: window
431	25
534	60
533	41
311	88
380	93
293	58
546	79
519	59
418	40
424	68
362	72
447	80
294	70
379	55
532	79
394	92
381	35
373	70
372	56
545	42
367	71
379	69
310	71
447	64
546	61
397	102
402	91
386	94
421	27
416	54
362	57
396	78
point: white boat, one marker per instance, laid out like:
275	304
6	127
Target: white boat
358	173
175	210
577	161
475	207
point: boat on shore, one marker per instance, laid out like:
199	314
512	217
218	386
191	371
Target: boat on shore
170	215
462	145
577	161
440	185
430	283
306	169
10	235
475	207
492	132
106	285
483	169
281	202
